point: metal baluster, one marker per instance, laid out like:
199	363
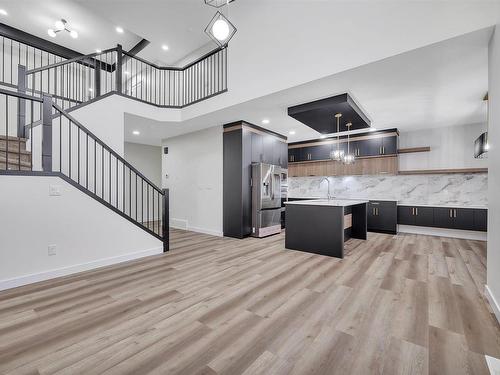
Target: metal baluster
102	172
87	161
109	177
78	130
69	132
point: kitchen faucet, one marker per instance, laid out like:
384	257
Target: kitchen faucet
327	180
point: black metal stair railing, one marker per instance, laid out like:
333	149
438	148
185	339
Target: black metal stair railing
79	80
64	147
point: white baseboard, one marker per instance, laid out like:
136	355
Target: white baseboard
493	302
184	225
443	232
178	223
58	272
206	231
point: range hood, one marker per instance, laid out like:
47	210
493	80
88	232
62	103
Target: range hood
481	146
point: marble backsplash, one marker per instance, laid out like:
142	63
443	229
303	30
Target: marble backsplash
433	189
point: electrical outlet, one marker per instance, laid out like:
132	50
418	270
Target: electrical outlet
52	250
54	190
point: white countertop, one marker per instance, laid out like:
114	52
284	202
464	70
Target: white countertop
326	202
401	203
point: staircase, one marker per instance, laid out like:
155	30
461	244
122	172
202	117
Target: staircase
14	150
39	138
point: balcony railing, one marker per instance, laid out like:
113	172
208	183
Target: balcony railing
86	78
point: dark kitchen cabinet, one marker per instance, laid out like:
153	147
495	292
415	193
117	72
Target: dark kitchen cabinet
361	145
443	217
481	220
424	216
463	219
283	155
269	145
293	155
416	215
405	215
371	147
390	145
257	148
382	216
244	144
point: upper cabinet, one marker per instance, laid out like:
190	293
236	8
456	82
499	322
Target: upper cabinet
382	145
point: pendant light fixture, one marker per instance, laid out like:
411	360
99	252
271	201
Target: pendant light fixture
62	25
337	154
349	157
220	29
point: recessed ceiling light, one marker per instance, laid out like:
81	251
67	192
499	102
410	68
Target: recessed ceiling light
98	50
164	47
119	29
291	132
73	34
51	33
136	132
3	12
322	136
266	121
373	129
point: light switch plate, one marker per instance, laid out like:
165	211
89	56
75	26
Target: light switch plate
52	250
54	190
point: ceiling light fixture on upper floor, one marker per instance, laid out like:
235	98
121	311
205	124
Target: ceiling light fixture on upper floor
164	47
136	132
3	12
119	29
220	29
291	132
265	121
322	136
61	25
98	50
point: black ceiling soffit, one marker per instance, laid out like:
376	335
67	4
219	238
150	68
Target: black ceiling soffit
320	114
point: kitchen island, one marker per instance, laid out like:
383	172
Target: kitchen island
322	226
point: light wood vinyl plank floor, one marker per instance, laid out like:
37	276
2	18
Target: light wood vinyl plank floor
405	304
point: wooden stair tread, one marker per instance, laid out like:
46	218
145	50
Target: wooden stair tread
13	150
11	138
15	161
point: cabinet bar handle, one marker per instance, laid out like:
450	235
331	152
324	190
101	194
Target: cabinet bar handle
455	213
451	213
416	211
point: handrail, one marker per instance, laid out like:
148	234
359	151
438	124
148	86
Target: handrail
213	52
20	95
64	62
105	146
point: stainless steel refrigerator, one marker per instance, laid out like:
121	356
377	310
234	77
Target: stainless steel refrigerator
266	199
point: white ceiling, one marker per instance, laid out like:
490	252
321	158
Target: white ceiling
94	29
180	24
438	85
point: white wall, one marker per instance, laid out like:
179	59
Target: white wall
451	147
145	158
493	265
194	168
87	234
